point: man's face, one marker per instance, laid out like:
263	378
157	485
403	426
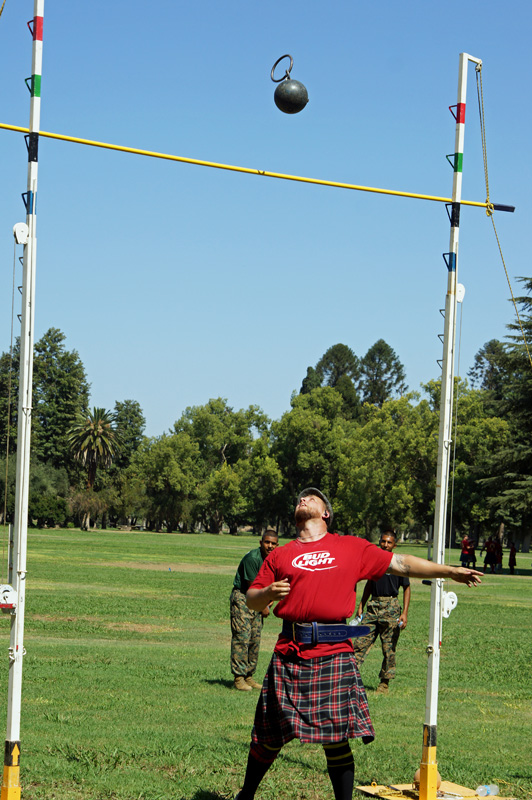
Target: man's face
387	542
310	507
267	544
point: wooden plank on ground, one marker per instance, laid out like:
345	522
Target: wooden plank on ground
396	791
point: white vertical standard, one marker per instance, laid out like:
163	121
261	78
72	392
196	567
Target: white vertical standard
429	771
11	782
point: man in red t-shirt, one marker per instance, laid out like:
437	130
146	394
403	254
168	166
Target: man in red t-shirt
312	690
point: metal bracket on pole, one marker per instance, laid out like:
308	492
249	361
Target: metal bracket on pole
27	199
450	260
453	214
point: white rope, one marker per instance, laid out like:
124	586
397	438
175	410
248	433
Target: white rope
9	408
451	509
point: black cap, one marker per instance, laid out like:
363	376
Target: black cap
317	493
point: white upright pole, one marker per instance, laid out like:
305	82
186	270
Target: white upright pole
429	766
11	775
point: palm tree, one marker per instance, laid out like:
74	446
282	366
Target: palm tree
94	441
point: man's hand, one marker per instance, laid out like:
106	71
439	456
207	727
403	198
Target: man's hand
279	589
471	577
259	599
402	621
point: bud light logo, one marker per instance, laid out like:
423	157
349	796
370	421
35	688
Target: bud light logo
314	562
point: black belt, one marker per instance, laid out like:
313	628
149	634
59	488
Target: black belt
317	632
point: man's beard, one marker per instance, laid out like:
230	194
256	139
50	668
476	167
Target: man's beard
304	513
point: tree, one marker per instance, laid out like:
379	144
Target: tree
477	435
306	445
48	495
222	434
490	368
224	437
94	441
9	379
221	498
168	471
338	368
387	467
7	489
311	381
509	476
130	423
382	374
260	485
60	394
339	360
348	393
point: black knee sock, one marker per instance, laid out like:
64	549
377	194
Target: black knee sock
341	769
260	759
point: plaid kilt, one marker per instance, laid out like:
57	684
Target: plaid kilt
315	700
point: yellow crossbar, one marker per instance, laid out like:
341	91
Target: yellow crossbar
247	170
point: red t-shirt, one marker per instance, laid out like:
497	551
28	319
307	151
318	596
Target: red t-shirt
323	576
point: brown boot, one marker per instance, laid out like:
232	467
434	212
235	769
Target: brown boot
253	683
382	688
240	683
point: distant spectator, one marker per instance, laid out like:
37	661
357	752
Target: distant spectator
472	559
246	625
384	616
490	559
498	555
464	555
512	559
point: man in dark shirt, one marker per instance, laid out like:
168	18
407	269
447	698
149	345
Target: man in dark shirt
246	625
383	616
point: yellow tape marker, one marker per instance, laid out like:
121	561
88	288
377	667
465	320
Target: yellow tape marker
11	776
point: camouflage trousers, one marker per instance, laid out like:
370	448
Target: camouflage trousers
246	628
381	615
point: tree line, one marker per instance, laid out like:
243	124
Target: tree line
353	429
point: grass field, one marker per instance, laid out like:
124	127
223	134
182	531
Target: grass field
127	688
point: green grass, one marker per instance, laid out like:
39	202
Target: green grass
127	688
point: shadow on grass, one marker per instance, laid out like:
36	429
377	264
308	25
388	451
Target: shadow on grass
203	794
227	684
370	687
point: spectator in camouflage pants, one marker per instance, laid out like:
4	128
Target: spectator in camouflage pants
246	625
383	616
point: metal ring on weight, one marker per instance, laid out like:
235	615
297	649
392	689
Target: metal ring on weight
288	71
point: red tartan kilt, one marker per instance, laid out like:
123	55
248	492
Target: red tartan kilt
314	700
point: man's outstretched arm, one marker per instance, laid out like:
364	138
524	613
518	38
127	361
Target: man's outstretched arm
414	567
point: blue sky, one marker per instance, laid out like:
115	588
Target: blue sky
178	283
